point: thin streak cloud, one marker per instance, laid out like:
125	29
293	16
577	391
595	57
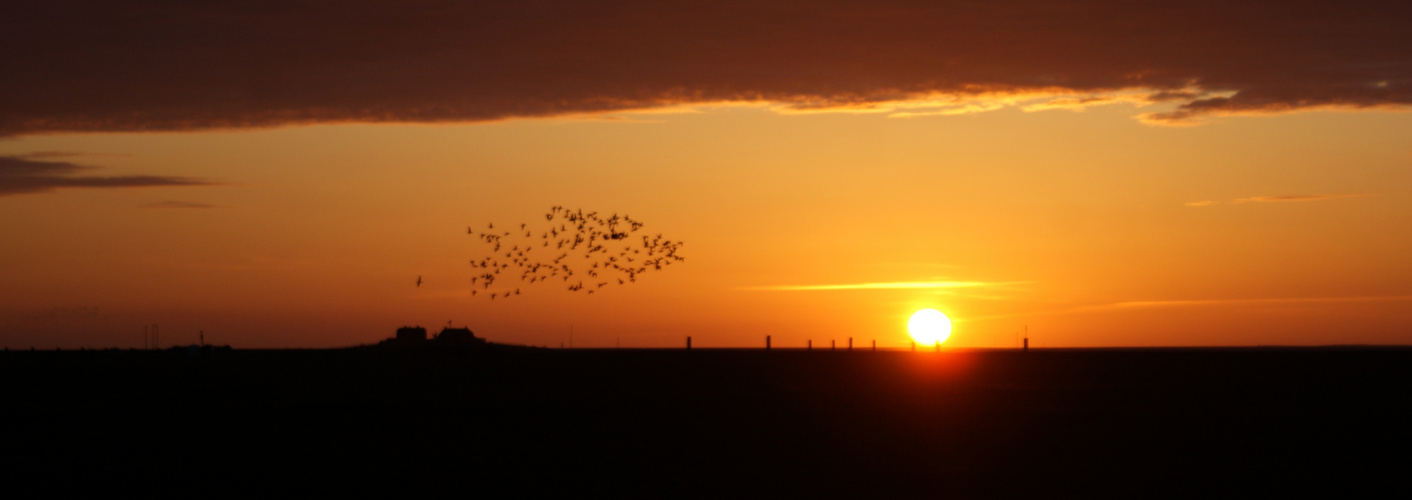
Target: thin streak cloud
1222	302
898	285
1149	304
20	175
1279	199
1297	197
42	155
177	205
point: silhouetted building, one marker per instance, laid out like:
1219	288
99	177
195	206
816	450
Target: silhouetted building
411	334
458	336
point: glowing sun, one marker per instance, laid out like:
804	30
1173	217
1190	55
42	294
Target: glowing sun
929	326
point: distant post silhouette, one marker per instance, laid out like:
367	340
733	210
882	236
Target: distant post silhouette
850	343
833	345
688	342
811	345
875	344
1027	344
767	342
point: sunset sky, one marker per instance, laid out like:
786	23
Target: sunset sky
279	174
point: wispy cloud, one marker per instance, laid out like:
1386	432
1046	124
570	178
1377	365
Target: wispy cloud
1155	304
1269	300
41	155
1202	203
964	109
931	265
177	204
21	174
1080	103
1279	199
1297	197
895	285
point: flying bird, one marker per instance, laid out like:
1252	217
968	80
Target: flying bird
610	235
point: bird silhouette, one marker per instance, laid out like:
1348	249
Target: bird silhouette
598	244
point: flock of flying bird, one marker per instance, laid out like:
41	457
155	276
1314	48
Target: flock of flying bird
577	250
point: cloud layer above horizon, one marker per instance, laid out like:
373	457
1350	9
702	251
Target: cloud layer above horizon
172	66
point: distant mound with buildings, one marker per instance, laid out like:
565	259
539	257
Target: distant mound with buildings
416	336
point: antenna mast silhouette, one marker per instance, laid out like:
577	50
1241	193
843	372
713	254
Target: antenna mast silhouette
150	340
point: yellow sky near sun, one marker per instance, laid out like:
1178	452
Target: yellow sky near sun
1089	227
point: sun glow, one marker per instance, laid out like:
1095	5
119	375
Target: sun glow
929	326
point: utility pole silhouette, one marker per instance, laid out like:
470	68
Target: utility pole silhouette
850	344
767	342
688	342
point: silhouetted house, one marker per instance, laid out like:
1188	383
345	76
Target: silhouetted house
411	334
458	336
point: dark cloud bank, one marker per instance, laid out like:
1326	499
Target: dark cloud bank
175	65
19	175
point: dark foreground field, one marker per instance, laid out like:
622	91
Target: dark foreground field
1131	423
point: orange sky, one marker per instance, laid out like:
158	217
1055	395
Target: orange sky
1237	222
1077	224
